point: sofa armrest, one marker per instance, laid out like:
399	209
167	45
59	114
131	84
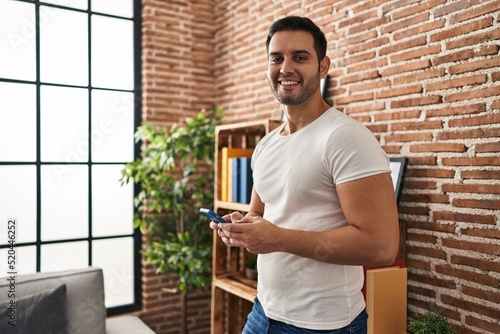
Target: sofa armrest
126	324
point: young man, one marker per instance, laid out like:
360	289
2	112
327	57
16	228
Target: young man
323	203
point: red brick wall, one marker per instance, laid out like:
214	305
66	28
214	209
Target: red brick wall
177	81
424	76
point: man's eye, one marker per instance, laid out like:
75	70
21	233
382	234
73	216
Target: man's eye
275	59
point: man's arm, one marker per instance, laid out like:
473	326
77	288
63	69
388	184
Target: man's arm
370	238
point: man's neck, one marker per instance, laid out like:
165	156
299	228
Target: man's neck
301	115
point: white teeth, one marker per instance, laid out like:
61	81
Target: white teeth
286	83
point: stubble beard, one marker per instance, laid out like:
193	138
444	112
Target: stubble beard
308	90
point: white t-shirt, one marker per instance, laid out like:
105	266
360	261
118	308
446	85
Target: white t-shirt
295	176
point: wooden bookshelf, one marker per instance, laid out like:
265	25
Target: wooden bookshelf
232	292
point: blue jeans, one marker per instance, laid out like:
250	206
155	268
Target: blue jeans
258	323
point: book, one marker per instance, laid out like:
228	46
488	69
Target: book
246	180
397	263
230	179
386	300
234	180
226	154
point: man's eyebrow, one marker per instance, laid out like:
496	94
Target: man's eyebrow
276	53
295	52
301	52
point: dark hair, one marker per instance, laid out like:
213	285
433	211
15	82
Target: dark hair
302	24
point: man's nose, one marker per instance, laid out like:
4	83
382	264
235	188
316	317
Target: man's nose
286	67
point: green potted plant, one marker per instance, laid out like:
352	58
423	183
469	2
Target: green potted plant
430	323
175	173
251	267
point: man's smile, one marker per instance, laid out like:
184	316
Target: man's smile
288	82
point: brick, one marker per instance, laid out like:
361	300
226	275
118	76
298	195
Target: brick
462	29
495	104
428	160
369	24
434	172
421	238
472	188
419	76
483	9
483	50
464	217
363	6
483	233
488	147
392	149
414	210
478	308
438	147
473	133
416	54
467	275
370	85
419	41
456	111
358	39
428	198
426	125
455	6
405	24
392	6
426	251
420	185
357	59
432	226
475	66
359	77
413	31
418	264
369	45
477	204
399	91
458	82
474	39
356	19
429	293
418	101
477	161
478	120
408	137
427	5
366	107
481	174
377	128
355	98
398	115
491	296
493	326
367	65
472	246
432	281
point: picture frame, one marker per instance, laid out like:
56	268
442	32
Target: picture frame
398	169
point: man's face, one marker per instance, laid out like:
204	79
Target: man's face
293	70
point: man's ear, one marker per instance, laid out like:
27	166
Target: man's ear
324	66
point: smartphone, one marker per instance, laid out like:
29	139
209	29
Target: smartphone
212	215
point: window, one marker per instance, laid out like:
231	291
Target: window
69	105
